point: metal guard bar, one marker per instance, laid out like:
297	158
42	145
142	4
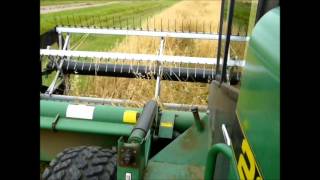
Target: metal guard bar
109	101
136	57
86	126
212	157
203	36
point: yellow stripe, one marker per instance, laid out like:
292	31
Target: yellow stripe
167	124
130	117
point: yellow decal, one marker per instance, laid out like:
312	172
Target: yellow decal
130	117
245	171
166	124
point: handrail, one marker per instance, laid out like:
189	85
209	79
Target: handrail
212	157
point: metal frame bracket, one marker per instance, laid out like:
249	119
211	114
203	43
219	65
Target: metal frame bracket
55	122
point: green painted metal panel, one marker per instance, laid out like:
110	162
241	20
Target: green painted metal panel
171	171
101	112
121	173
258	107
191	147
135	168
86	126
166	126
114	114
52	108
111	113
183	119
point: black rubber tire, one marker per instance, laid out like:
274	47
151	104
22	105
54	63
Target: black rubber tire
83	163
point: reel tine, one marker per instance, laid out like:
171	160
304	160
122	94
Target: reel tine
90	65
210	27
140	24
179	68
187	70
86	19
94	24
195	71
145	68
154	24
115	65
90	21
204	72
82	65
113	22
134	26
175	25
98	65
121	66
100	22
120	22
95	68
107	65
212	69
147	23
131	65
75	66
79	17
68	21
168	26
203	27
137	67
74	21
161	24
80	21
127	23
196	26
62	24
182	25
93	21
107	24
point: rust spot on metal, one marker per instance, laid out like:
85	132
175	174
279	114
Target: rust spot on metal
196	172
190	140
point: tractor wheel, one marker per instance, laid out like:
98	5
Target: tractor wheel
84	162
